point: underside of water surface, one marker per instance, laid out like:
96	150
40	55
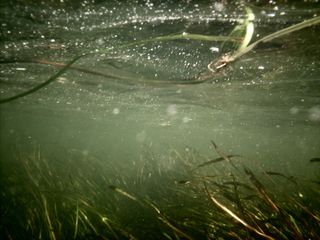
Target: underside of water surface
159	119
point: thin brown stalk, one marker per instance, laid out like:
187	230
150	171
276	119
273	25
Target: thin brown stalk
281	212
222	154
234	216
50	227
165	220
214	161
162	217
261	190
224	61
76	222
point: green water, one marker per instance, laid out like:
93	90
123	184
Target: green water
265	107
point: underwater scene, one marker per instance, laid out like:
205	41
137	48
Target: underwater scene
168	119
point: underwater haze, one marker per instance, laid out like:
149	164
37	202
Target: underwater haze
118	146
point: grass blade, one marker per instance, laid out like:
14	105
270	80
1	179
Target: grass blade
38	87
234	216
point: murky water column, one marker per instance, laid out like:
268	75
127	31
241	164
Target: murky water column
126	138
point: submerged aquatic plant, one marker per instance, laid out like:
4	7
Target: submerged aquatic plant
84	197
245	31
216	65
65	67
